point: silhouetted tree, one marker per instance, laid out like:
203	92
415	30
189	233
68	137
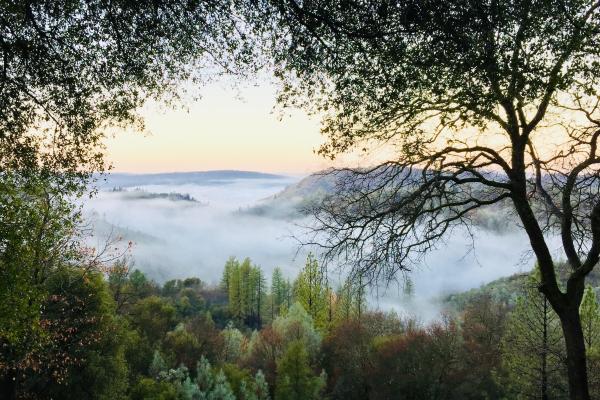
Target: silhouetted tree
481	104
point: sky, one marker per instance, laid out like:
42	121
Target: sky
228	128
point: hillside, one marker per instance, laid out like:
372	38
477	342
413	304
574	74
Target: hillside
505	290
296	200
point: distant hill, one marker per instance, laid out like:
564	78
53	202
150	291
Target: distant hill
506	290
296	198
139	194
180	178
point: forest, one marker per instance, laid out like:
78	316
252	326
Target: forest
120	335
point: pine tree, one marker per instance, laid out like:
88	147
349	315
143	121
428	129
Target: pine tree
189	390
590	322
246	391
246	289
345	302
295	379
222	389
533	346
288	294
158	365
590	319
277	292
260	295
311	292
230	267
235	291
204	376
261	385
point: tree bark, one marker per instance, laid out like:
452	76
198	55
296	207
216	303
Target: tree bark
576	359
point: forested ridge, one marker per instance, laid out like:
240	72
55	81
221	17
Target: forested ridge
117	334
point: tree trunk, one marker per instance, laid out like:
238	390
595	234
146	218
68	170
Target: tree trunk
576	360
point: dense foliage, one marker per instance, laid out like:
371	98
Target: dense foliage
120	335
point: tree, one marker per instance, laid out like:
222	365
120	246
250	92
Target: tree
80	352
73	67
311	292
590	321
153	317
258	295
264	350
297	325
157	365
221	389
483	326
149	389
347	354
233	341
229	269
532	347
295	380
261	386
278	292
424	365
38	236
482	104
182	347
235	295
71	70
246	287
590	318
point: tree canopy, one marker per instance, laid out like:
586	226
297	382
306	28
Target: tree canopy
480	104
72	68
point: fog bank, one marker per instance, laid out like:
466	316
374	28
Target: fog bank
177	239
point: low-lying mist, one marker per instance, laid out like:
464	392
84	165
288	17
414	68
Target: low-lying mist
177	239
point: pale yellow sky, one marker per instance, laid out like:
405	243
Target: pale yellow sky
225	129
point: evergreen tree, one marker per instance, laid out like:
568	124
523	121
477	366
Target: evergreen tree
158	365
295	379
189	390
258	295
590	319
232	343
246	391
533	346
222	389
235	292
261	386
590	322
228	270
204	376
297	325
246	289
278	295
311	291
345	309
